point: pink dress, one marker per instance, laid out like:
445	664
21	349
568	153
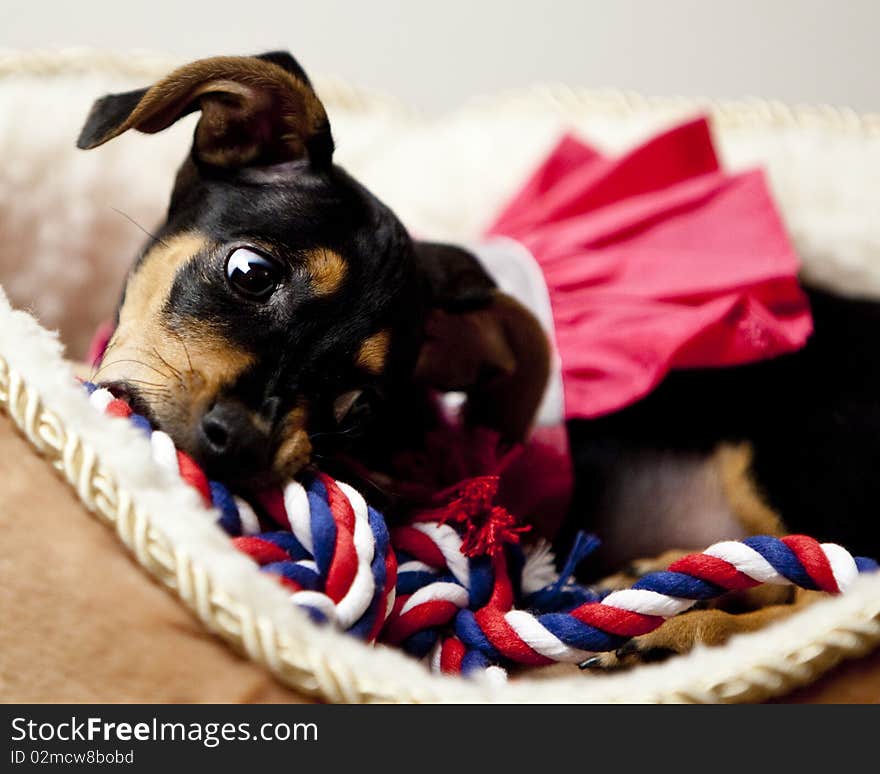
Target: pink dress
655	260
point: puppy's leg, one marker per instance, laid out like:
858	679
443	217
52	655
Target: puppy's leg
682	633
699	627
709	623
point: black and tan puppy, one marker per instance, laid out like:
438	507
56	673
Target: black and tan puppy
280	296
281	311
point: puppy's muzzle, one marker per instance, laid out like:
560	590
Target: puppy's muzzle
231	443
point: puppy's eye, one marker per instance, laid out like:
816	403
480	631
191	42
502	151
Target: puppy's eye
251	274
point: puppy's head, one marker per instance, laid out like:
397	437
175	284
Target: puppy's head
277	290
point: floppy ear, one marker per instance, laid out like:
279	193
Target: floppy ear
480	341
256	110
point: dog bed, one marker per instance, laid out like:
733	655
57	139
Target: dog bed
446	178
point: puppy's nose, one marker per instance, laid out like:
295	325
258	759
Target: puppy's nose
230	441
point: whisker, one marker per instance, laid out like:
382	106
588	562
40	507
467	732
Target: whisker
131	360
177	374
159	387
97	365
138	383
186	352
333	433
182	342
132	220
375	486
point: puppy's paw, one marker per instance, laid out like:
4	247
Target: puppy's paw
677	635
680	634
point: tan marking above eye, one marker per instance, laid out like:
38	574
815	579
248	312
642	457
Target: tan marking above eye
327	271
150	285
373	352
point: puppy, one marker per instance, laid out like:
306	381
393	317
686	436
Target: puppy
280	297
281	312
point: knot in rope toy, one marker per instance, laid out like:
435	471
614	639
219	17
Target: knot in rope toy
454	584
332	552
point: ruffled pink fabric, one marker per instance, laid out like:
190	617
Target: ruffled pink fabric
656	260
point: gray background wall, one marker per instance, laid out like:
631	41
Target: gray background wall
435	54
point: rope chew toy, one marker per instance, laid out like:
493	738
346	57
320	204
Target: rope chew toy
454	585
503	634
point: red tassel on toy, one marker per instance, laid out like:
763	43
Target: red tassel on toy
488	527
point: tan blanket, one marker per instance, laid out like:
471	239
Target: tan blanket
81	622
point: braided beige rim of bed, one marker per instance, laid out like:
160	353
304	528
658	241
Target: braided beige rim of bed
173	537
